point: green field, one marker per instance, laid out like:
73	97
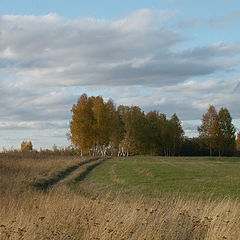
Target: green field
152	198
156	176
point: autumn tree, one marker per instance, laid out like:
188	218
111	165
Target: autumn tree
135	130
96	126
172	135
102	124
82	126
154	133
108	127
225	130
26	146
176	134
116	127
217	131
207	130
238	142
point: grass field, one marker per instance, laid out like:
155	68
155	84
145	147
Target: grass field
121	198
154	176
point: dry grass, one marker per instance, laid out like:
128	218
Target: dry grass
27	213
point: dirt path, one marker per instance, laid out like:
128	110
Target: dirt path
73	173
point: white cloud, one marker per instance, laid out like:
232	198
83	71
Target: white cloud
142	18
135	50
46	62
190	100
34	124
225	20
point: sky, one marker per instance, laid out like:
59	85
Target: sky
173	56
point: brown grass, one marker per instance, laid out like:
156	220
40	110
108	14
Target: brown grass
27	213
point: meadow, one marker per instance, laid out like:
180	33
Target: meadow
205	177
120	198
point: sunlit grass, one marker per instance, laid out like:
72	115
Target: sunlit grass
155	176
61	213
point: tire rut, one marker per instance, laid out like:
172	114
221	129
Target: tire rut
81	176
46	184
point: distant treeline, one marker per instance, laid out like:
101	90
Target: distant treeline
35	154
99	128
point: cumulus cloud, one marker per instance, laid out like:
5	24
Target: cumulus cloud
135	50
46	62
20	102
190	100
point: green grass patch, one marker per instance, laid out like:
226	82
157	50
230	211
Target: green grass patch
156	176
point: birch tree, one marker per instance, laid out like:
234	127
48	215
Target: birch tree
154	133
176	133
82	131
101	126
207	130
116	127
225	133
135	124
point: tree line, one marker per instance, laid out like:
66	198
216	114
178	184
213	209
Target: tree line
100	128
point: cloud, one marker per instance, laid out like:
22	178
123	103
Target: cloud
188	23
20	102
134	50
53	134
213	51
46	62
189	100
34	125
192	99
224	21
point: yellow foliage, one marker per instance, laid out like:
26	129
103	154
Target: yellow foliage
238	142
26	146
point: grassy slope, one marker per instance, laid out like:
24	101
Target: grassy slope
204	177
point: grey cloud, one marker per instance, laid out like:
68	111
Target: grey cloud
194	97
54	134
191	125
188	23
46	62
237	88
53	51
224	21
25	103
219	49
34	125
189	100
